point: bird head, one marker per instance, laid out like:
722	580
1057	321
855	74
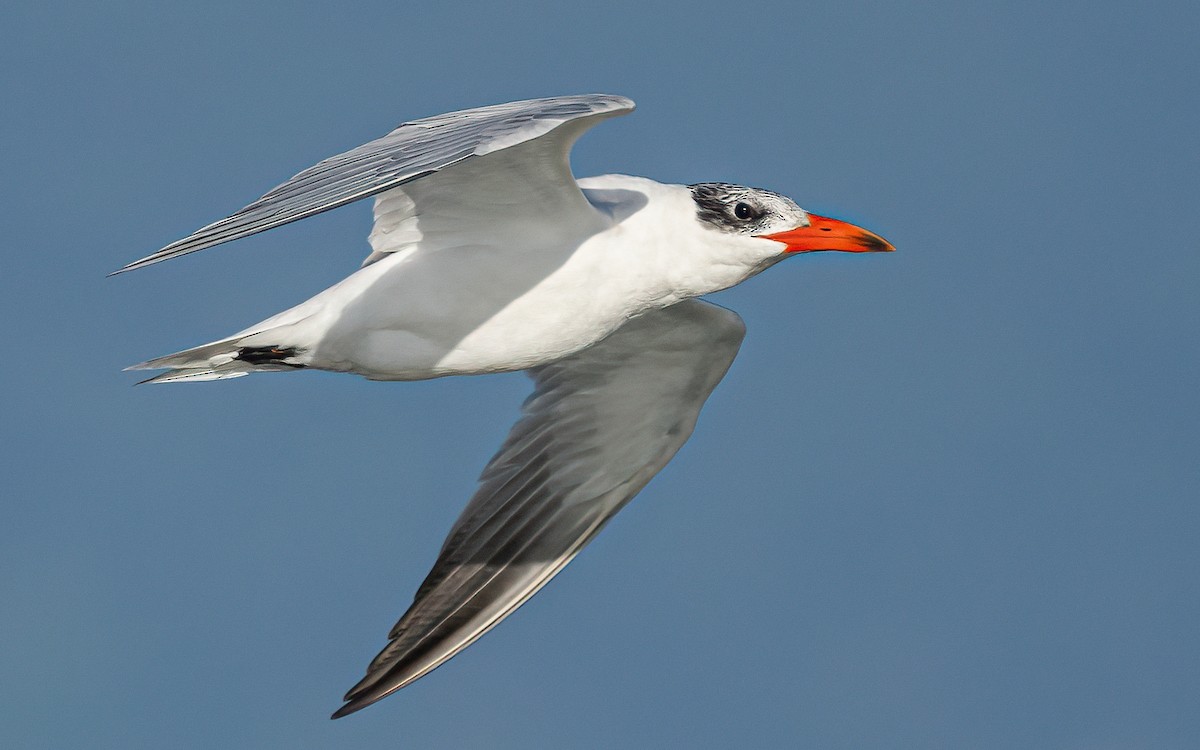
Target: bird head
763	215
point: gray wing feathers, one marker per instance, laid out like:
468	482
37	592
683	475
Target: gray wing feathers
411	151
599	425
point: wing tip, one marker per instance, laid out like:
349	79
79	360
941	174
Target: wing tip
364	694
131	266
614	104
621	102
149	260
348	709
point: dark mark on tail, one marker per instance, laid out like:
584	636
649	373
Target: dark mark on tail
268	355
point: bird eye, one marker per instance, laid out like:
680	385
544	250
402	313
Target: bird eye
743	211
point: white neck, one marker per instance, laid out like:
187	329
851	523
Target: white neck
668	254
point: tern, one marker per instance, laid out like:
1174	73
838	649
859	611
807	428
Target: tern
489	256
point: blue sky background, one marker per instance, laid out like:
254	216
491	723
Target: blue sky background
945	498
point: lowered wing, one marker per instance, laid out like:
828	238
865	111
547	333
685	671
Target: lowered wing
599	425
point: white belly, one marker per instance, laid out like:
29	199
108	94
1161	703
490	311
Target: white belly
462	311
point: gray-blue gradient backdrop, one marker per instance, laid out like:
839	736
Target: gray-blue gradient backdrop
945	498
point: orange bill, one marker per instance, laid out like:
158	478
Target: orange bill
830	234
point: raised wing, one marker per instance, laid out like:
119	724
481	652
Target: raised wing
599	425
410	152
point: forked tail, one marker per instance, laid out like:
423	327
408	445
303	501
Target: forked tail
228	358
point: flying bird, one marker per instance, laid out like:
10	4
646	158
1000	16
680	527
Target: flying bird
487	255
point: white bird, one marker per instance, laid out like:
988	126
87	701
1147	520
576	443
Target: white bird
488	256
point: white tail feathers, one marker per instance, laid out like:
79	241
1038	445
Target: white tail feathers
219	360
196	375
